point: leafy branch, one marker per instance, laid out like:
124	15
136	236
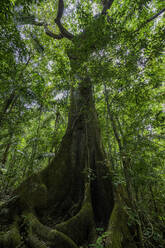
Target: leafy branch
151	19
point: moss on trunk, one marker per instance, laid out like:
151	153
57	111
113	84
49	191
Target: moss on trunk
119	235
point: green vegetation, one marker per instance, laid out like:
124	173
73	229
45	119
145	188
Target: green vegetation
82	124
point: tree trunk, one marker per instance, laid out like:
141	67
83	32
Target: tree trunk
62	205
8	105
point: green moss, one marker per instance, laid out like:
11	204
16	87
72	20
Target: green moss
15	237
1	203
117	222
43	232
11	238
37	227
61	240
118	229
35	242
81	226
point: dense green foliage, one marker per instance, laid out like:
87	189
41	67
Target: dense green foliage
126	69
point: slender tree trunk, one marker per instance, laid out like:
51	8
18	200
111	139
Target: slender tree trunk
5	154
7	106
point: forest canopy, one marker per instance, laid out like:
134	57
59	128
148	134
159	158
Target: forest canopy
82	120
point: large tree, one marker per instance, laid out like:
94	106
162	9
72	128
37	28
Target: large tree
64	204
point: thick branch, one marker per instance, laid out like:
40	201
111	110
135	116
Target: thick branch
63	30
54	36
60	10
47	31
106	5
38	23
57	20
